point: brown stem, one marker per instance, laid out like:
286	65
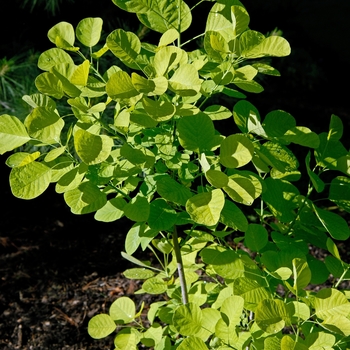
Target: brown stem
180	267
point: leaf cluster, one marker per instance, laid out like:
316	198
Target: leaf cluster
139	140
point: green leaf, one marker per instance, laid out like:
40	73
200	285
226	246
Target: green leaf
13	134
320	340
122	310
64	73
303	136
155	285
142	157
120	88
205	208
216	46
151	87
158	110
316	181
185	81
228	20
187	319
172	191
329	151
232	308
217	112
89	30
247	118
81	74
225	263
339	192
127	339
45	125
256	237
48	83
335	128
217	178
236	151
168	58
53	57
278	156
162	217
126	46
30	181
233	217
271	46
330	302
85	198
91	148
251	291
100	326
196	133
302	273
192	342
271	315
243	187
288	343
71	179
18	159
62	35
337	227
277	123
240	19
248	85
337	324
111	211
137	209
280	196
168	37
138	273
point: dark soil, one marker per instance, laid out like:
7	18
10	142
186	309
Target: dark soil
57	271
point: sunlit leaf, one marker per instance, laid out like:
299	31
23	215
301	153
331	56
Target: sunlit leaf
205	208
330	302
125	45
185	81
52	57
30	180
100	326
196	133
271	315
337	227
236	151
85	198
188	319
88	31
91	148
13	133
122	310
339	192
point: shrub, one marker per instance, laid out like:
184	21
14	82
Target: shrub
230	217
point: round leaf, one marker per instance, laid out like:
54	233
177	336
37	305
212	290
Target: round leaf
30	180
236	151
187	319
88	31
256	237
122	310
205	208
100	326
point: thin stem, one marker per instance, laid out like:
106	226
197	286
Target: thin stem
180	267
